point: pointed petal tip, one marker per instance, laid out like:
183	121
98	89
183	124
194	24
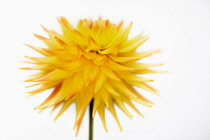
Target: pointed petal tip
121	129
77	132
158	95
41	107
30	46
150	80
40	37
29	80
26	44
45	29
158	72
29	57
32	92
129	115
40	80
24	81
155	92
150	105
142	115
106	129
55	119
28	96
71	95
159	50
36	35
75	125
61	42
24	68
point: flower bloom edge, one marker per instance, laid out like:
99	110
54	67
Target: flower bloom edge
93	61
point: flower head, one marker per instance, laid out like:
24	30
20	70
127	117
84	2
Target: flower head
94	61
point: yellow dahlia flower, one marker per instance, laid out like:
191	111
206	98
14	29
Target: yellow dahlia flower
94	61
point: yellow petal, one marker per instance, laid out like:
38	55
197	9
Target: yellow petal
109	73
38	49
139	66
32	62
74	65
70	33
148	71
141	98
78	123
111	89
101	112
55	91
124	90
133	40
106	97
134	46
113	112
92	45
86	74
45	86
52	34
111	50
90	73
128	102
65	26
49	42
40	67
146	53
37	76
122	36
62	94
76	86
90	55
132	77
57	74
44	60
70	47
97	101
122	106
55	107
99	59
35	84
116	66
84	102
61	54
99	82
65	106
143	86
123	59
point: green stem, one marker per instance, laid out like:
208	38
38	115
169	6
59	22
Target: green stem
91	121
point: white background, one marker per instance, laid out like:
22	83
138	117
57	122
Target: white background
180	28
